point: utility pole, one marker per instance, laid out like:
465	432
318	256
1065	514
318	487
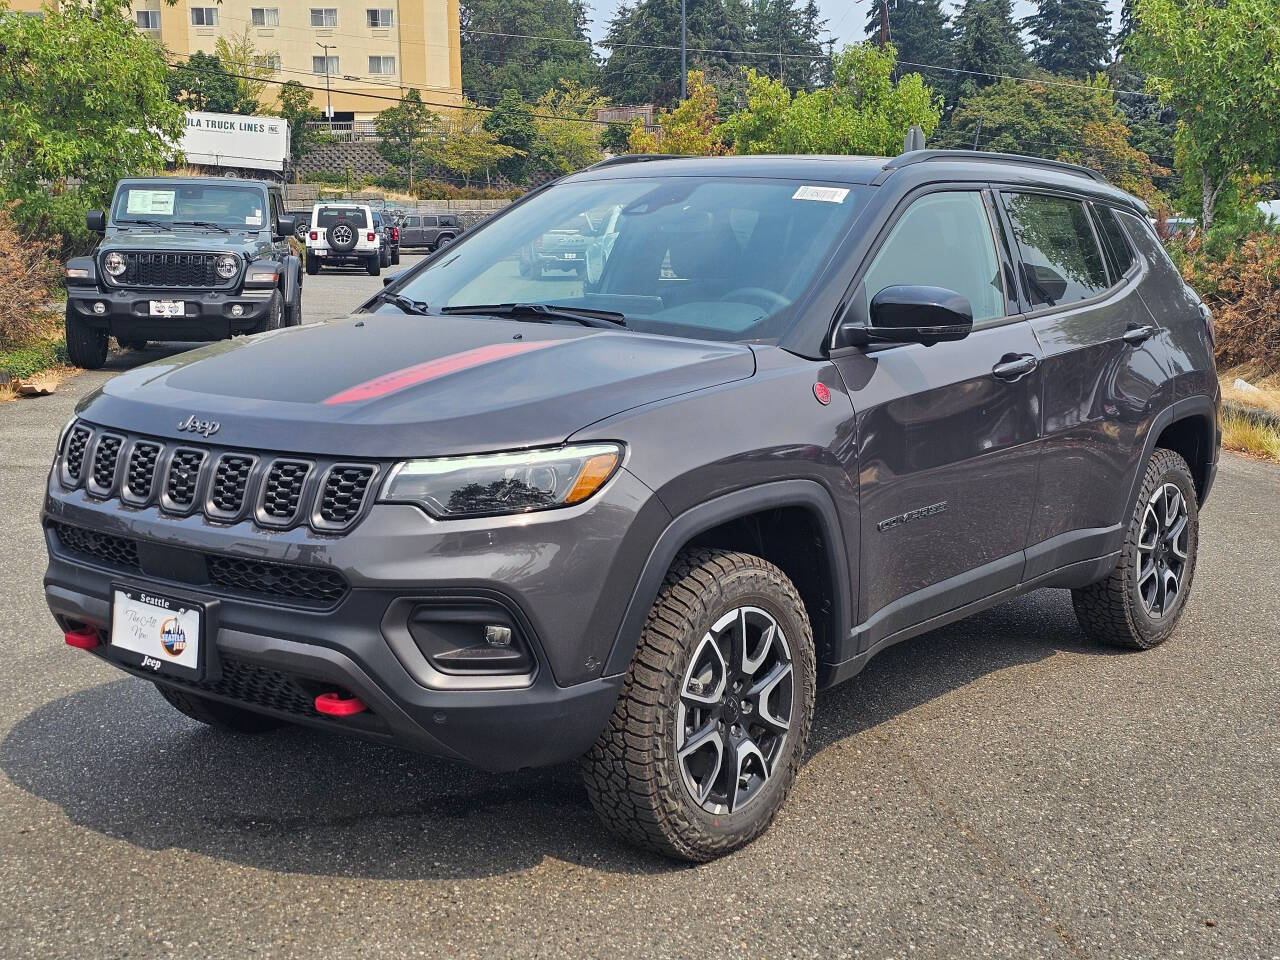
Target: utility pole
684	50
328	100
884	23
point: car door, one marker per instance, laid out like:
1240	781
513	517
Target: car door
411	232
946	434
1099	377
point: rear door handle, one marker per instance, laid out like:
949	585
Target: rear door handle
1014	366
1138	334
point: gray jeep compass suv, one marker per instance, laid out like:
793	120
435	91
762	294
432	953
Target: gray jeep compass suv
792	411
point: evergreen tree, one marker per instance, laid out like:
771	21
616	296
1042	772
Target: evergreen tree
498	56
918	28
987	46
1072	37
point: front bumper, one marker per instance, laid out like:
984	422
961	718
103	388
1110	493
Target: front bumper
566	577
208	314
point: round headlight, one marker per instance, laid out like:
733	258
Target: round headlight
227	266
114	264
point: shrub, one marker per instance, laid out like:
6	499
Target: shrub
440	190
31	359
28	275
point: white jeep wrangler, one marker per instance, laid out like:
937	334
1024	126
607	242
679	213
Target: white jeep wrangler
343	233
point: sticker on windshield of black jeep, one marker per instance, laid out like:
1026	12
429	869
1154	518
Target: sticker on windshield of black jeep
821	194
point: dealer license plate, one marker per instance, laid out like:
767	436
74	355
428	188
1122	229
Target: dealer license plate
168	308
164	632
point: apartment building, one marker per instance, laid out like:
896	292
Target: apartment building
357	56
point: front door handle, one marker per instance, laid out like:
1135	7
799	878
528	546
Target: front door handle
1138	334
1014	366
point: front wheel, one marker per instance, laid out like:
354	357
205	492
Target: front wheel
710	728
86	345
274	319
1139	604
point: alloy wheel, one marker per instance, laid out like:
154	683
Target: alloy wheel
735	710
1162	550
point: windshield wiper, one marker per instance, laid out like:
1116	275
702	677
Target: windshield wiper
202	223
416	307
545	313
149	223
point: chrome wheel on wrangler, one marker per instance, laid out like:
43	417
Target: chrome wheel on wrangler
1162	550
735	710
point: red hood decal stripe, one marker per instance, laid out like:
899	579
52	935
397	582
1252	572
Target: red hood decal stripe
421	372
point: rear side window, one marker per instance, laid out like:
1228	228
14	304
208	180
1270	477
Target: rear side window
328	215
1061	262
1114	242
943	240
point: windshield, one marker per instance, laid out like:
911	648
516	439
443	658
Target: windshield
228	205
712	258
328	216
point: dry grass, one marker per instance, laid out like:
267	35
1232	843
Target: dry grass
1268	400
1251	435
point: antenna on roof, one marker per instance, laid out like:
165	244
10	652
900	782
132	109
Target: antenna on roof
914	139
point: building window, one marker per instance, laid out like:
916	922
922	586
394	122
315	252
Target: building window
148	19
265	16
318	65
204	16
267	61
382	66
380	19
324	16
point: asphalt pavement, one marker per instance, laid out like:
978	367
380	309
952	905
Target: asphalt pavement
998	788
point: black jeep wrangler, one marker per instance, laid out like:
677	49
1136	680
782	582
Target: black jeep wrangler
183	259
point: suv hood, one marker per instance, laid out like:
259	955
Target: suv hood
180	240
387	385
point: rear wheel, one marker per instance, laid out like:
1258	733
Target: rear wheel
710	729
374	265
214	713
1139	604
86	345
395	257
313	265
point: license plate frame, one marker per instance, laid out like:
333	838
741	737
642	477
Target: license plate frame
147	642
168	308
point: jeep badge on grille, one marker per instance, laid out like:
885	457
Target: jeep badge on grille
193	424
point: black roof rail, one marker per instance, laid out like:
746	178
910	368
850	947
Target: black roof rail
923	156
636	158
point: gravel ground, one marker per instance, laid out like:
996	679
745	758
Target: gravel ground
997	788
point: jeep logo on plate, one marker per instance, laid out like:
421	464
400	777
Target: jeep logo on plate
206	428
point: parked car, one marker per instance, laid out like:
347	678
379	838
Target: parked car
808	408
429	230
301	224
563	248
389	237
343	233
183	258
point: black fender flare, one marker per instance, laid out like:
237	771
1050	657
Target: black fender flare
1200	408
291	279
809	494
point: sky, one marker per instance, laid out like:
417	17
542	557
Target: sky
846	24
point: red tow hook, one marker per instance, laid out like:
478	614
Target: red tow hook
333	704
86	638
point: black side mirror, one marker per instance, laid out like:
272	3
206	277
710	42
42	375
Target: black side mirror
913	314
285	227
96	221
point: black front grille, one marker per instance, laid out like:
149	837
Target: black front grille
142	469
343	493
306	584
230	481
261	687
76	445
282	490
120	552
196	270
184	477
105	457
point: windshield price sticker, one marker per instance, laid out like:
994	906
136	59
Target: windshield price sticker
821	194
150	201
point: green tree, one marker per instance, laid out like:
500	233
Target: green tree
202	82
511	123
83	102
987	46
863	111
918	28
294	105
568	136
1217	63
460	144
690	128
249	65
501	49
1071	37
404	129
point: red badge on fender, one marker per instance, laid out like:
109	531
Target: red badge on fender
822	392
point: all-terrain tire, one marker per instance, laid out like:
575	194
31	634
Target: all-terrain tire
374	265
1112	611
293	315
632	774
274	319
313	265
214	713
86	345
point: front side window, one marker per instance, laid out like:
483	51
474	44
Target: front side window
381	18
324	16
265	16
323	65
382	65
148	19
189	203
1061	262
943	240
204	16
706	257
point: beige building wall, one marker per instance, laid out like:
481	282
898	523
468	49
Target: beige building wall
420	48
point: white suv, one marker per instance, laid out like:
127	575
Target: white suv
343	233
